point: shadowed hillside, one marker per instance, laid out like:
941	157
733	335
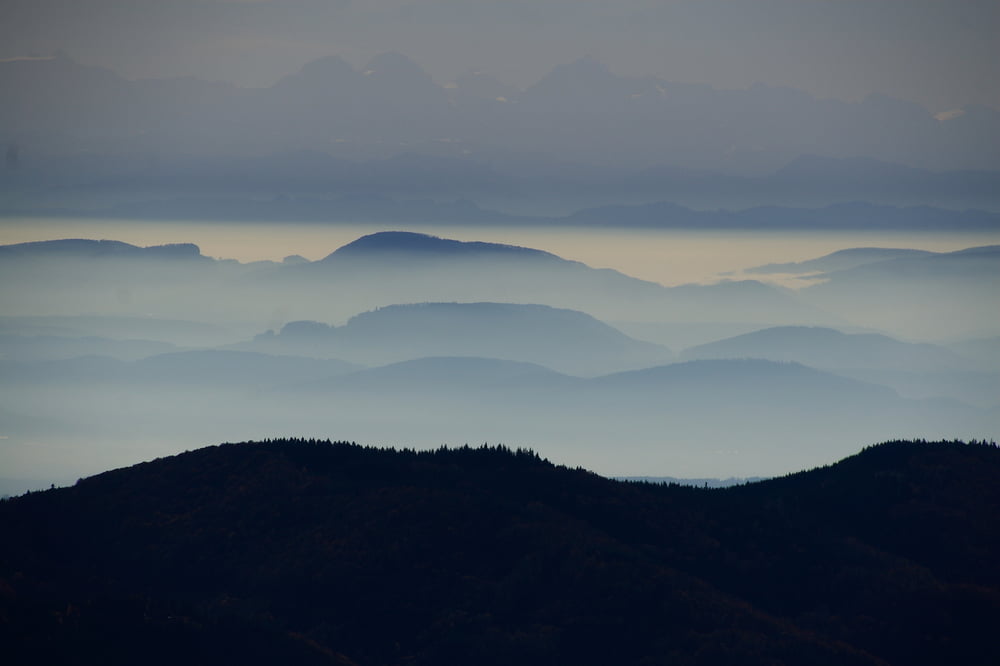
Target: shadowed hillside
311	552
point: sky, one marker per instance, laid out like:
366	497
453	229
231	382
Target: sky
940	53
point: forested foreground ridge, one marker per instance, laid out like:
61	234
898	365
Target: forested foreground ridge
312	552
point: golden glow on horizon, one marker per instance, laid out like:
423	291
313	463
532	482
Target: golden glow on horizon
670	257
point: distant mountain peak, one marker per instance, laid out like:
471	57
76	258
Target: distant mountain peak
841	260
413	243
584	78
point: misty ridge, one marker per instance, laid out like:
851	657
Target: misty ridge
564	340
399	337
385	268
933	295
387	142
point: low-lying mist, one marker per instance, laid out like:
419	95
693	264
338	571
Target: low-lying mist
112	353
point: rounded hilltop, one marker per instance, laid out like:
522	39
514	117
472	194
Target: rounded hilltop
416	243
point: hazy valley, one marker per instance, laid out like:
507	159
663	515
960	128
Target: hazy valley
114	353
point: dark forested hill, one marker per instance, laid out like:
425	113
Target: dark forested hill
311	552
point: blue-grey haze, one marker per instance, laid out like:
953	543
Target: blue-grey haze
114	353
685	238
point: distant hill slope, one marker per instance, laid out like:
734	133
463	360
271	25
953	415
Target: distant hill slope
307	552
730	386
79	248
698	386
405	244
430	260
840	260
940	295
916	371
92	278
831	349
564	340
968	264
858	264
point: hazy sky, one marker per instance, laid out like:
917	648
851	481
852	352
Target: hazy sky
667	257
941	53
